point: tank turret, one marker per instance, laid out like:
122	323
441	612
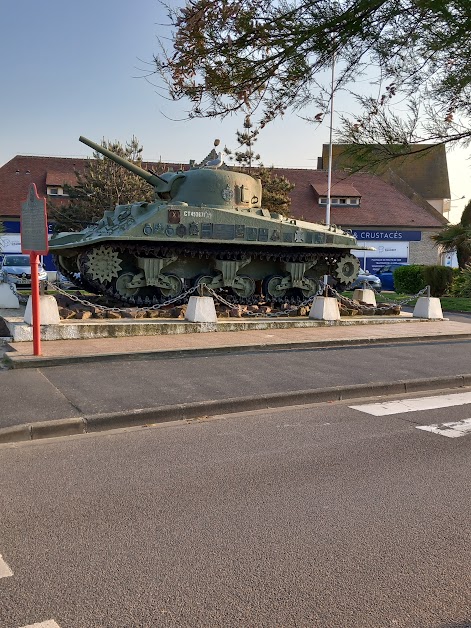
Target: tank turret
206	226
207	185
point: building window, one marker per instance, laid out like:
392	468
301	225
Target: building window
53	191
339	201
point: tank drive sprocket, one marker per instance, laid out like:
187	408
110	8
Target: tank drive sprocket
103	264
347	269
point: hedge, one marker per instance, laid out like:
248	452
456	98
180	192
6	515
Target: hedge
411	279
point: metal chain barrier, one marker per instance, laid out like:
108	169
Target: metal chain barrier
425	290
203	288
105	308
286	312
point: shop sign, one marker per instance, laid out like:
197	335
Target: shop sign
373	234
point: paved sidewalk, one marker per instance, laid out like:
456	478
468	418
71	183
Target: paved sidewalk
57	395
20	354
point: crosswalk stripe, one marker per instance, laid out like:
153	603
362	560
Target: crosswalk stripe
5	570
44	624
414	405
452	430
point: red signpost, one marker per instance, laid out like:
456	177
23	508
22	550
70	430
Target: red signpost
34	240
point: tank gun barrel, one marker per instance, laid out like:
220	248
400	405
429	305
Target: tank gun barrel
151	178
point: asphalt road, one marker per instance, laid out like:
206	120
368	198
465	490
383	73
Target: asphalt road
316	516
74	390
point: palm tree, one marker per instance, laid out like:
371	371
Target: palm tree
457	238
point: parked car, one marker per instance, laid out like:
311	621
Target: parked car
366	278
386	274
15	268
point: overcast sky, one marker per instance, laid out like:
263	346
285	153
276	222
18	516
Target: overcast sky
73	68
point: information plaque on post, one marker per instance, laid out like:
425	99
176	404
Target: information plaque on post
34	240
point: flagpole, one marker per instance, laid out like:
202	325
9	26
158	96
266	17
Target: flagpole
329	167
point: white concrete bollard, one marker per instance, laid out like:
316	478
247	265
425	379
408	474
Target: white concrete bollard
8	299
366	295
201	310
48	310
325	309
428	307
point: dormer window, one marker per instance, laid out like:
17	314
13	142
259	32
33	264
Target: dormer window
342	193
55	190
339	201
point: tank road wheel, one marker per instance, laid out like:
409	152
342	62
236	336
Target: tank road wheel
347	269
175	286
246	287
203	279
310	292
270	285
121	285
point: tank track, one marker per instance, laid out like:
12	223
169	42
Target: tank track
326	257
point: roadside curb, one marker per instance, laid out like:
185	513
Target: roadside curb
13	361
190	411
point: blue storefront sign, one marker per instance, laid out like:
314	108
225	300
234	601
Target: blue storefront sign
387	235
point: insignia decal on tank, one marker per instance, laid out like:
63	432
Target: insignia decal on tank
240	231
251	233
147	229
263	235
181	230
193	229
158	227
169	231
275	236
299	236
173	216
227	193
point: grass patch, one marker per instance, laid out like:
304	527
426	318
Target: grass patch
449	304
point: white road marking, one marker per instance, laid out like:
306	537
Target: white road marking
5	570
44	624
452	430
414	405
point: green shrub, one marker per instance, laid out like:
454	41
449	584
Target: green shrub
409	279
439	278
461	286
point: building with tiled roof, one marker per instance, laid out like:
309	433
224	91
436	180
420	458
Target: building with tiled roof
383	210
424	169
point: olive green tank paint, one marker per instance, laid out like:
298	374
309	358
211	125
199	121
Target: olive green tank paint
206	225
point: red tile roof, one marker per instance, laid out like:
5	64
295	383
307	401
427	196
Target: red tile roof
338	189
17	174
382	204
59	178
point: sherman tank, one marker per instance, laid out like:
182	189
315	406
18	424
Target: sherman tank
206	227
